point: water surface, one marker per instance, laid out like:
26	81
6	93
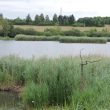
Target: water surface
29	49
9	101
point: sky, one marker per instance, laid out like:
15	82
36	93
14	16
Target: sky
79	8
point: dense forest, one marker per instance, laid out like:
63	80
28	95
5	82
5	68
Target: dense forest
62	20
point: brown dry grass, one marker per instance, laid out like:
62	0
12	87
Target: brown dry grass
64	28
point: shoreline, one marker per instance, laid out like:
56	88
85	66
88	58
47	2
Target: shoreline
14	89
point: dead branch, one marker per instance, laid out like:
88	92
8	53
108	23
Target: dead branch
82	64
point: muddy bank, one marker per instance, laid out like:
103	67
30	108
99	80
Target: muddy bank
16	89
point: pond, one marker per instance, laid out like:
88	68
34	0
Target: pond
28	49
10	101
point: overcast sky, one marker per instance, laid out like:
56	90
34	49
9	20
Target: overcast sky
80	8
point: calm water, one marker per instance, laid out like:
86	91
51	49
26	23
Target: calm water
9	101
29	49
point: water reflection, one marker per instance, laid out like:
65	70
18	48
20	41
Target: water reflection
9	101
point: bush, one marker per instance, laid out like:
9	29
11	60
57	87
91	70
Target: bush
95	33
73	32
1	33
77	24
30	32
52	31
18	31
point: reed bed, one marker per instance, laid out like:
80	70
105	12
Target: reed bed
82	40
35	38
64	39
56	82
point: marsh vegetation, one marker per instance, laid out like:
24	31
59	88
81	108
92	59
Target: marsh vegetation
50	82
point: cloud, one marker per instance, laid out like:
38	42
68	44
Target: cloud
80	8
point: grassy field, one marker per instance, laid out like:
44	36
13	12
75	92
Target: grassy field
64	28
59	82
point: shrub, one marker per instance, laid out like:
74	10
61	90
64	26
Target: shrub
30	32
18	31
1	33
95	33
73	32
52	31
77	24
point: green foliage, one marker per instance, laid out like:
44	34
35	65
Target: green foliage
30	32
56	81
1	33
5	27
71	19
89	21
28	19
55	19
77	24
1	16
74	32
61	20
19	21
36	95
3	77
13	68
82	40
21	37
95	33
52	32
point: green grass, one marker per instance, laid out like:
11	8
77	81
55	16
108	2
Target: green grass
53	82
82	40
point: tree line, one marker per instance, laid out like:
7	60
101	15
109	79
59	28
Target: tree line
44	20
62	20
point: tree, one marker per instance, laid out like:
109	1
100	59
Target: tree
71	19
28	19
47	18
37	19
19	21
99	21
5	27
60	20
42	18
55	19
11	30
65	20
89	21
1	16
